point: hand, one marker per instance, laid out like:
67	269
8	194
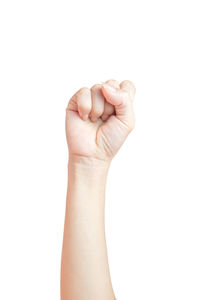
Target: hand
99	119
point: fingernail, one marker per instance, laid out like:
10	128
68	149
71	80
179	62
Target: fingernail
93	119
104	117
109	88
85	117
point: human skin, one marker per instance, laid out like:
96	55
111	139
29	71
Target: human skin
98	120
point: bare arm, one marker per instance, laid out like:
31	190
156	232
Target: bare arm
92	144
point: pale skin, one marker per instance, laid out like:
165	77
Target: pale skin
98	120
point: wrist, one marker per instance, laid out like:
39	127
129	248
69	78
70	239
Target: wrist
89	167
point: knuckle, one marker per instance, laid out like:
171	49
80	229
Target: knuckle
125	98
129	86
126	95
83	99
128	82
96	87
83	91
113	82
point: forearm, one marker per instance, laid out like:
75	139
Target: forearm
85	272
98	120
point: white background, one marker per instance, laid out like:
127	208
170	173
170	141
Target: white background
49	49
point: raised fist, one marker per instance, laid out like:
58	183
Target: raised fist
99	119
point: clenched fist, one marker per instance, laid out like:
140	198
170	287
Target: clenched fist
99	119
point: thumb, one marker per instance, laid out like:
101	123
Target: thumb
113	95
122	102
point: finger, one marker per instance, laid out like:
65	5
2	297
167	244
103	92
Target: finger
113	83
122	102
128	86
84	102
104	117
97	102
108	111
109	108
114	96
